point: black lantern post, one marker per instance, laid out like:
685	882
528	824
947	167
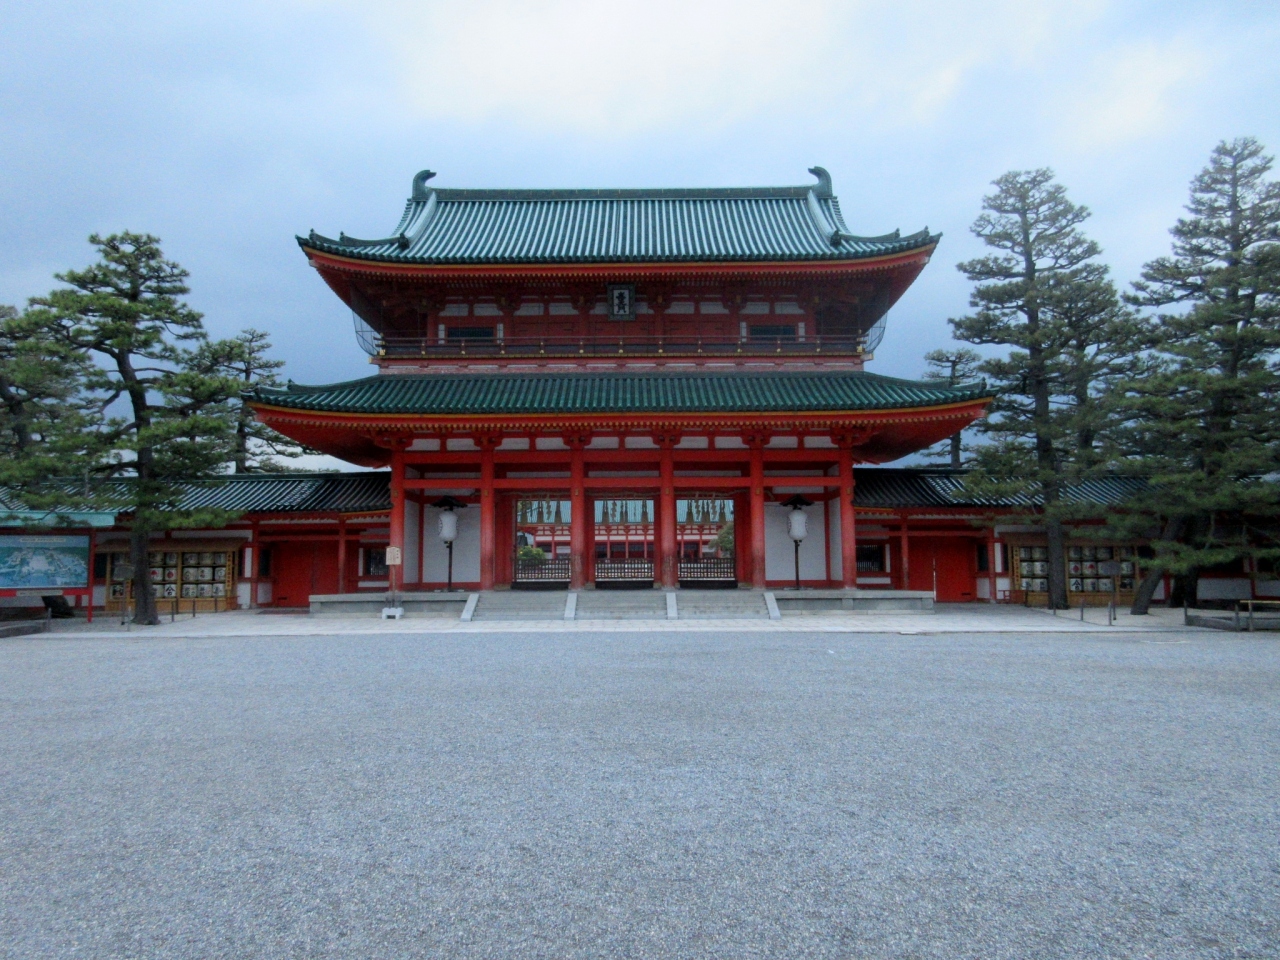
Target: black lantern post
797	525
447	527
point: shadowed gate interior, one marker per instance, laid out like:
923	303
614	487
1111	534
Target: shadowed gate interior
705	543
542	531
624	544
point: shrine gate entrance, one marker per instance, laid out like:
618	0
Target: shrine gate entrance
624	543
542	532
705	543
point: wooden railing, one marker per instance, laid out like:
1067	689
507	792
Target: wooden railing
551	570
636	569
602	345
708	568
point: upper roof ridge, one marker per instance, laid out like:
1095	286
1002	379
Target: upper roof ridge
446	225
421	192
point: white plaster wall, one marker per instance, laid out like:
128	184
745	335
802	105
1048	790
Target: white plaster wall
1269	588
1214	588
779	554
264	592
466	549
242	593
412	542
833	539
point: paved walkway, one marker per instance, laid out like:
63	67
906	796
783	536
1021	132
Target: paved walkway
948	619
692	792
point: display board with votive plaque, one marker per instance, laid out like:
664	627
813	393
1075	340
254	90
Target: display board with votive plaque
1094	573
187	573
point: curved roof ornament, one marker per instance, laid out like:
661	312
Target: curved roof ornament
823	187
420	191
825	227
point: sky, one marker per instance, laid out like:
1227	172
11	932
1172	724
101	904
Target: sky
226	129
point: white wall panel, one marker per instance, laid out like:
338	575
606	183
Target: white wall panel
779	553
466	549
833	539
412	542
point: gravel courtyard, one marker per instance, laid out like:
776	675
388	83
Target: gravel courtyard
641	795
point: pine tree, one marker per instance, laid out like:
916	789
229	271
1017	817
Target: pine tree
126	312
244	359
1203	426
1031	296
952	366
46	439
1103	343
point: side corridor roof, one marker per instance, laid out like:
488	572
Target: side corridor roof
369	492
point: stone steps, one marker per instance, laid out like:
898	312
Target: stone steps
622	605
722	605
521	605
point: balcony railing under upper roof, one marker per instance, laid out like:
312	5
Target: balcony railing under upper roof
604	344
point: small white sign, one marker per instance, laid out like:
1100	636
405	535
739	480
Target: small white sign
393	557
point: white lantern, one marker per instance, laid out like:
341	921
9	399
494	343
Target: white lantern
447	526
797	525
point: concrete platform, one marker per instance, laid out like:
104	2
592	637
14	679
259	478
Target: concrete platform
371	604
793	602
22	628
1229	620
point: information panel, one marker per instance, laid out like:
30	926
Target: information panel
43	562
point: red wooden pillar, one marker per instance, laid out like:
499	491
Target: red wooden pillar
395	539
342	554
906	559
991	565
848	529
742	536
667	548
488	516
93	546
577	517
757	512
255	563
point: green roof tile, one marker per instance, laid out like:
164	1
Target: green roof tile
551	393
443	226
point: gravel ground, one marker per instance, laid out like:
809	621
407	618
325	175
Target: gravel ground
634	795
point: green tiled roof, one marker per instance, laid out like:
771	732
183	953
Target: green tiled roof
292	493
551	393
443	226
240	493
369	492
942	487
14	514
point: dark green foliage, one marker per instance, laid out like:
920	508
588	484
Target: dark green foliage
1045	297
1203	423
951	366
167	419
46	438
244	359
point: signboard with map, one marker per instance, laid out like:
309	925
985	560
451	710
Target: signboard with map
43	562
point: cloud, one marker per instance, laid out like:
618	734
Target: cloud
1135	93
622	68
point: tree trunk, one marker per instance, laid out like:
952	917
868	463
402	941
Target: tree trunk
1146	590
1191	585
1186	587
1173	529
1056	537
144	604
955	451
